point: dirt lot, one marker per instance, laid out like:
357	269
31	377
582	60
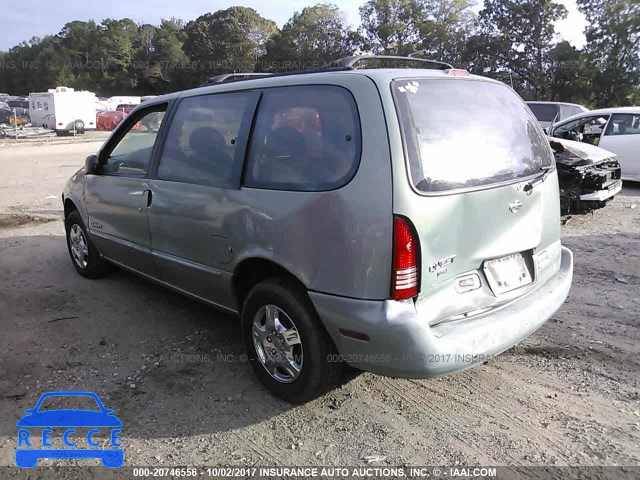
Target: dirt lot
172	368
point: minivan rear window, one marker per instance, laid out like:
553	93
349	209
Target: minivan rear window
545	112
461	134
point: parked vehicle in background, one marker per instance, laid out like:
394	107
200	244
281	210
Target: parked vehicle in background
588	176
108	121
113	102
21	107
5	112
12	116
614	129
377	217
64	110
552	112
125	108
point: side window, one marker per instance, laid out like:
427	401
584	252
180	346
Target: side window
202	143
585	129
568	111
132	153
306	138
624	124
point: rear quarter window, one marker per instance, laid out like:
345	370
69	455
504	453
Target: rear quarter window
462	134
306	138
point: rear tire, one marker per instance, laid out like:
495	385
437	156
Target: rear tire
311	366
84	255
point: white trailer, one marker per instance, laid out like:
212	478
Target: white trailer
64	110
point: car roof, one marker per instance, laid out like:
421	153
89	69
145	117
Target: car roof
382	75
615	110
601	111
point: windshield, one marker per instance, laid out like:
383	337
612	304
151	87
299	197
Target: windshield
464	133
545	112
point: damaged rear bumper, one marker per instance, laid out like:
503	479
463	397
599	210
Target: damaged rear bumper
392	338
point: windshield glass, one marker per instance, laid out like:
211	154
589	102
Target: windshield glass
464	133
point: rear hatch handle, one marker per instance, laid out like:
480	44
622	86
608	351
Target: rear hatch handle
545	170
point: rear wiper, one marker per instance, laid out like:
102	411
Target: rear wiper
539	179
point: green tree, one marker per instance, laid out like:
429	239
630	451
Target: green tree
525	29
390	26
569	73
228	40
484	55
170	68
310	39
118	40
613	45
444	26
84	61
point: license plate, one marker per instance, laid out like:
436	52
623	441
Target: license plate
507	273
615	188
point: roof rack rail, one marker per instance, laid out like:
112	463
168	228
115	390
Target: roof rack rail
388	61
234	77
239	77
341	64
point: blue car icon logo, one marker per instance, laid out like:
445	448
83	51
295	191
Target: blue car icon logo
32	447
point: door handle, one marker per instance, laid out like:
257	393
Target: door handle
147	195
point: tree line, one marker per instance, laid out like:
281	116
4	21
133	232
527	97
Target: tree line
511	40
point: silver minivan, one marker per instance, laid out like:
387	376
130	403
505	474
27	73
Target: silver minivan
403	221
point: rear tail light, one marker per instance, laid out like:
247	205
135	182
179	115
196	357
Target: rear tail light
404	280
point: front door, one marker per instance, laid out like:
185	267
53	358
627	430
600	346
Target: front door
117	198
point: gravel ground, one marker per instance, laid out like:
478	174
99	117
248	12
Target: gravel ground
172	369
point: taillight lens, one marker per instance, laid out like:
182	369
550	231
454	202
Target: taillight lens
404	280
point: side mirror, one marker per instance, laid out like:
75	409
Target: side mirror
92	165
546	130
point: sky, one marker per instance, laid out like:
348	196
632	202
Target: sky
24	20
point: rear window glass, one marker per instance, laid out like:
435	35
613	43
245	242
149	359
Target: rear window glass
463	133
305	138
544	112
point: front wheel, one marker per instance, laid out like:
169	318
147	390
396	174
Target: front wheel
287	345
84	254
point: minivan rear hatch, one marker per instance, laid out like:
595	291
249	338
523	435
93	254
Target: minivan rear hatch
481	191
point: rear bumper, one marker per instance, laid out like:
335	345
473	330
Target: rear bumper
389	337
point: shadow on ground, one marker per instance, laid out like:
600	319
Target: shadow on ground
167	365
